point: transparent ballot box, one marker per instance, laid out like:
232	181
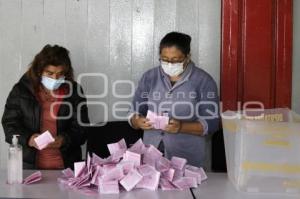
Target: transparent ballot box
263	150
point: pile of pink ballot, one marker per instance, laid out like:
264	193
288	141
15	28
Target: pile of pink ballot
140	166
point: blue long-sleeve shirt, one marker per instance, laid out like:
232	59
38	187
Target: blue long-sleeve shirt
193	98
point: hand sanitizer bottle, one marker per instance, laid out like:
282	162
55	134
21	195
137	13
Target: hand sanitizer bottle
15	162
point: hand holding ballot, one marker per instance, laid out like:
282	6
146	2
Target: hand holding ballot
41	141
140	122
152	121
31	141
157	121
174	126
58	141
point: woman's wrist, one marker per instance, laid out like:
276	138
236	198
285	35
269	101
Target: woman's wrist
194	128
133	120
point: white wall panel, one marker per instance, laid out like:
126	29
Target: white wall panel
76	33
142	34
209	37
120	47
164	22
54	20
10	57
31	31
98	57
187	21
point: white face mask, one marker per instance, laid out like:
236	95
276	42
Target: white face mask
172	69
52	84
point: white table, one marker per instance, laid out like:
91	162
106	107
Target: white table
49	188
218	186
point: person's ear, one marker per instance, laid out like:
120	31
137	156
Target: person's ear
188	57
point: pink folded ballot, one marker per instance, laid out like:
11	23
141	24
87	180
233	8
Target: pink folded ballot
185	183
163	164
35	177
68	173
115	147
157	121
151	155
126	166
178	163
43	140
131	179
110	187
96	174
168	175
166	185
150	178
132	157
114	174
196	172
138	147
78	168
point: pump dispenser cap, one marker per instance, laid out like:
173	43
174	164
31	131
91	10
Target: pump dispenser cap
15	139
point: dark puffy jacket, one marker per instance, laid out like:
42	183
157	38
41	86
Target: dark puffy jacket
22	116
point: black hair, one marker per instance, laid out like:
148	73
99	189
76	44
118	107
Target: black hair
179	40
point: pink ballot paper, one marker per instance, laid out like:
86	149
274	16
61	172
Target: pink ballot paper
43	140
68	173
178	163
110	187
115	147
78	168
140	166
150	178
186	183
131	179
132	157
35	177
157	121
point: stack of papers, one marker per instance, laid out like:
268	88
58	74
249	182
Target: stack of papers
157	121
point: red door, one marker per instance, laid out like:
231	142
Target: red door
256	52
255	58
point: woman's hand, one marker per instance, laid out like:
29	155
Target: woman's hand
31	141
57	143
140	122
174	126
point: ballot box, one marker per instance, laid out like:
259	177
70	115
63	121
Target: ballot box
263	150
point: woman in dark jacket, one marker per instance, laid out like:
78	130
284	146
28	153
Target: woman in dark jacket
47	98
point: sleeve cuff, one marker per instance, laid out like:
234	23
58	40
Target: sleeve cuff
130	115
204	125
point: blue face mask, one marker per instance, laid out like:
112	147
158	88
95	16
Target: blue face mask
52	84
